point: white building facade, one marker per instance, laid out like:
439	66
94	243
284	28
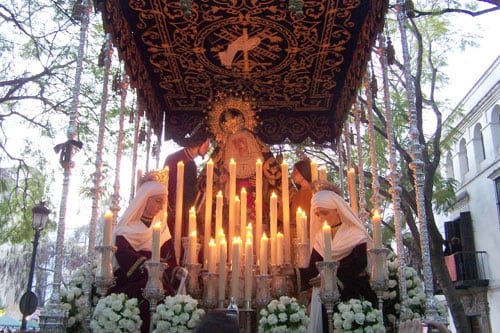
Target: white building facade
474	162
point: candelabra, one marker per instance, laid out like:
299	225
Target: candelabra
193	284
282	283
329	292
379	274
153	292
209	280
105	279
302	253
263	292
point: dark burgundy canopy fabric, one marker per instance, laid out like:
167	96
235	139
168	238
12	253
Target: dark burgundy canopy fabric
299	72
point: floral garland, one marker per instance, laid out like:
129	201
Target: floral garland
177	313
116	313
357	316
283	315
73	299
416	302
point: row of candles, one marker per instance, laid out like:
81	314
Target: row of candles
273	251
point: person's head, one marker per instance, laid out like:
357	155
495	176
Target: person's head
217	322
301	172
240	143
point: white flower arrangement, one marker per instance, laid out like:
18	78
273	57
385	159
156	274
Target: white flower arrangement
116	313
177	313
283	315
357	316
416	301
74	301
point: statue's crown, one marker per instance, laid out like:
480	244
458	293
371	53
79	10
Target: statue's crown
160	176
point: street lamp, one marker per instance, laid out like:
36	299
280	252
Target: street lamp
29	301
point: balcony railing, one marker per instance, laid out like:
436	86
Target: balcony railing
467	268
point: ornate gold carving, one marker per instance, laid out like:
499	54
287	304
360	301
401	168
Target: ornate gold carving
160	175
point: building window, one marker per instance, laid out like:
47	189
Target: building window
450	173
478	143
463	159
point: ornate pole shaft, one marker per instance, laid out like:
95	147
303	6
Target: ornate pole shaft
394	176
417	165
137	125
51	318
97	189
119	148
363	215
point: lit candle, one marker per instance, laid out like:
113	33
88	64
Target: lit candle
232	198
377	231
193	242
279	249
314	171
107	233
285	198
208	209
155	246
248	269
298	222
219	206
304	226
235	267
222	269
327	234
258	201
212	253
264	254
322	173
351	180
178	209
192	220
274	225
243	208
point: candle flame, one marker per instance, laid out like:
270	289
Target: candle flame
157	225
108	215
212	242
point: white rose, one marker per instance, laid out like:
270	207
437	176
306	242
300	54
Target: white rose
272	319
359	318
282	317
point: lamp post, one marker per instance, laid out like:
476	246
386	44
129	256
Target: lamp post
29	301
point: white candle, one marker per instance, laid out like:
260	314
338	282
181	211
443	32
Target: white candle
298	223
314	171
219	205
304	226
264	254
208	209
279	249
193	242
243	208
258	200
232	197
222	269
248	269
235	267
285	197
178	210
274	225
107	233
192	220
351	182
327	234
212	254
377	230
155	246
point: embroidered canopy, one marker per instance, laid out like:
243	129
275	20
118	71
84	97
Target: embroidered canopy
299	63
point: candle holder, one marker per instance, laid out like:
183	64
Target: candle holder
209	280
282	284
379	278
185	245
301	254
329	292
263	290
105	279
153	292
193	284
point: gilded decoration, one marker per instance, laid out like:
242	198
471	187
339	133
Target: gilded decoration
302	70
